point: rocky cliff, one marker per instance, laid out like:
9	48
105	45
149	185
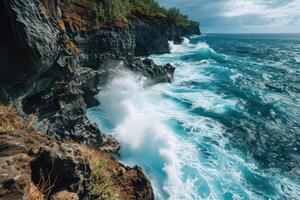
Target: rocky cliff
54	56
152	33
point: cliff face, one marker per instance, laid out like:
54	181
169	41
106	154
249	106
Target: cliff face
55	55
152	33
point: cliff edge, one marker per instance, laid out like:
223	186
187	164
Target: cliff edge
56	54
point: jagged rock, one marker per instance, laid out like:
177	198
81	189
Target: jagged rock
63	165
110	145
65	168
31	158
153	33
155	73
33	38
13	177
132	181
98	47
61	105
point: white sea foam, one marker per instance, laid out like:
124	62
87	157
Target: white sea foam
139	118
140	128
186	46
187	162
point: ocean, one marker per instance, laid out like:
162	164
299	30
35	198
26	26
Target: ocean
228	127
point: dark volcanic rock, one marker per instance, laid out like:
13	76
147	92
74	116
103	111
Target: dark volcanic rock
153	33
62	165
31	39
27	158
52	84
97	48
155	73
110	145
60	101
66	168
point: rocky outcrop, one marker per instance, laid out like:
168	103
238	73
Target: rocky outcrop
155	73
35	165
153	33
30	157
61	106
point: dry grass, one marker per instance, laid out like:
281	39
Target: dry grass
42	189
10	120
33	193
102	184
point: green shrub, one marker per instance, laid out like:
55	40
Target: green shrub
109	10
101	179
101	182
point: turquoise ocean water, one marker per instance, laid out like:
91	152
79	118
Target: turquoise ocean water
227	128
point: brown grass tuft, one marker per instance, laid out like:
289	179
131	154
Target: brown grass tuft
10	120
33	193
42	189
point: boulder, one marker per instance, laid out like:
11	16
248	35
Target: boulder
155	73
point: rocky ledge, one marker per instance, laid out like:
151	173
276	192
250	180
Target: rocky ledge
35	166
54	57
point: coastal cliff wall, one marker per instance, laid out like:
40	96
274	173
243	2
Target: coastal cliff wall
152	33
54	55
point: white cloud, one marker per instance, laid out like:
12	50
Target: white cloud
241	15
236	8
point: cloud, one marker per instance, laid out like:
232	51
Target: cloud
235	8
242	15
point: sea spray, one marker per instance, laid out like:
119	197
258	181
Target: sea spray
186	46
136	121
225	129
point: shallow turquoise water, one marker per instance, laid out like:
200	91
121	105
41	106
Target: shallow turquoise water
227	128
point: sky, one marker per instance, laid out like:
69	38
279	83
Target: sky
241	16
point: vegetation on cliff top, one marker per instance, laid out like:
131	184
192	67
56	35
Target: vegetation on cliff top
120	9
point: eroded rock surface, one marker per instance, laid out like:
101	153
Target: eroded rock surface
30	159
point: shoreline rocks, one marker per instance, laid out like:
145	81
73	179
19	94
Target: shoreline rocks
34	165
55	57
155	73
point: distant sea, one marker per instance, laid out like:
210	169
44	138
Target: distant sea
227	128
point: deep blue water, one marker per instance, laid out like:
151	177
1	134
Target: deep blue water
227	128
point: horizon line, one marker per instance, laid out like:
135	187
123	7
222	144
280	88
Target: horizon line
246	33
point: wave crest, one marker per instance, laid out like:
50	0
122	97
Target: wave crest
186	46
